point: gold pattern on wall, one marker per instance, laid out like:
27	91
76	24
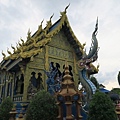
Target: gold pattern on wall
60	40
37	63
57	52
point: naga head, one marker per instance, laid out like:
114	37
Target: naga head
93	52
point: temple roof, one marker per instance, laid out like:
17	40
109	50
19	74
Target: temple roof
40	38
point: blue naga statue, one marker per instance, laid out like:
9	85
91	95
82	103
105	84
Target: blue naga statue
53	81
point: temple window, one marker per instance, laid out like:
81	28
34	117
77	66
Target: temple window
39	82
33	79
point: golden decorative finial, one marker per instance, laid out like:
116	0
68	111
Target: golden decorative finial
8	51
51	17
17	46
40	26
66	8
42	21
22	41
4	56
65	11
13	47
19	43
66	63
49	22
28	34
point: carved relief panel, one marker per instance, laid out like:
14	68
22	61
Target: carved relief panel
60	53
37	63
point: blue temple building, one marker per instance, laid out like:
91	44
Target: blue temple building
22	72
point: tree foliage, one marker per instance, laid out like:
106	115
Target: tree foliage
101	108
42	107
5	108
116	91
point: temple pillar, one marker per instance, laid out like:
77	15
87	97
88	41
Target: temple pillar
60	115
78	107
68	110
27	76
46	65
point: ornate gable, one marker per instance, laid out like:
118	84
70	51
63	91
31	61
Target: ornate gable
35	43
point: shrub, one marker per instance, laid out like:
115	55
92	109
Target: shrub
101	107
5	108
42	107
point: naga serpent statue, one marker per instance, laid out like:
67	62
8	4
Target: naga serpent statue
84	65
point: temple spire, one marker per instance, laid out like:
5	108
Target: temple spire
68	95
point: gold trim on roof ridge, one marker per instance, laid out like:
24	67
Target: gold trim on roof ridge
48	25
64	20
39	41
22	54
40	29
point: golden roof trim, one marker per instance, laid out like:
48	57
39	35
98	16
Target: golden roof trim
36	42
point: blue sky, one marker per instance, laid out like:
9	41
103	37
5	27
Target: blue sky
17	16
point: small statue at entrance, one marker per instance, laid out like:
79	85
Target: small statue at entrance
20	84
33	80
39	82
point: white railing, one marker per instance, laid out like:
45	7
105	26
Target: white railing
17	98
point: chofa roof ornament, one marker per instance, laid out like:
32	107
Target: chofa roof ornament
65	11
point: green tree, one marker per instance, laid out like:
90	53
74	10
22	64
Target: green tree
42	107
101	108
94	81
116	90
5	108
